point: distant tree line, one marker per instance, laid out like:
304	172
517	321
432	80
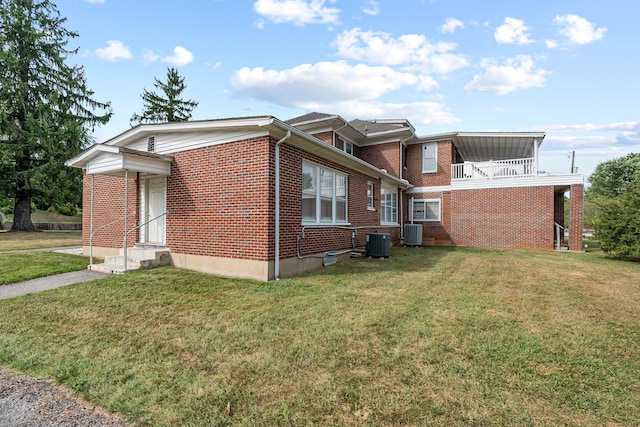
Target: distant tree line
612	206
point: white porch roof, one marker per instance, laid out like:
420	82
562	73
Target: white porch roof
115	161
483	146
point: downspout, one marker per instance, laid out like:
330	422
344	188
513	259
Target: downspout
93	182
276	261
126	214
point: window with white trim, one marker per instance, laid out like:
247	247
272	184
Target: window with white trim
370	192
430	157
425	210
324	195
388	206
343	145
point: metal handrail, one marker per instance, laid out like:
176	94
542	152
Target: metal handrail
133	229
100	228
558	227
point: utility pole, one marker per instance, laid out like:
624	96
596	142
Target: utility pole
573	158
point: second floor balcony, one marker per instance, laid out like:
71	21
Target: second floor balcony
494	169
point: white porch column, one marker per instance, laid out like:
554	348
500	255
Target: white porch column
535	157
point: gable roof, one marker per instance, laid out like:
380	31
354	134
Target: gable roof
253	126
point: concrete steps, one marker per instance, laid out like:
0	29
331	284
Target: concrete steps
138	258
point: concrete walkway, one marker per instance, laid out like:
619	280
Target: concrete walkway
50	282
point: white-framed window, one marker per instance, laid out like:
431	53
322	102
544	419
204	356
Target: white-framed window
388	206
430	157
324	195
345	146
425	210
370	193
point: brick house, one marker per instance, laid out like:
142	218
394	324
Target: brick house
262	198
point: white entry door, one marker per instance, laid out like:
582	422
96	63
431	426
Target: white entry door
156	202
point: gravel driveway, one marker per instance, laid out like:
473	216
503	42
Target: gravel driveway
31	402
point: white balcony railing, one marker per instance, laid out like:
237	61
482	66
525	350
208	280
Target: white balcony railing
494	169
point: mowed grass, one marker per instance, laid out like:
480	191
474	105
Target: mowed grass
432	336
15	241
21	266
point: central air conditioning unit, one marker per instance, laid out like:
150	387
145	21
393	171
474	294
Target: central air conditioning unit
413	234
379	245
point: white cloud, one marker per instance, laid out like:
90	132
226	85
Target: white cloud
413	51
427	83
371	8
590	127
181	56
512	31
418	113
451	25
578	30
341	88
551	44
298	12
515	74
323	82
150	56
115	50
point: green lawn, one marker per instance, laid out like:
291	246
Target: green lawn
432	336
14	241
30	265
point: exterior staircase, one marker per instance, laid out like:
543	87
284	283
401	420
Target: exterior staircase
140	257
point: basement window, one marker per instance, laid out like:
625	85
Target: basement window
425	210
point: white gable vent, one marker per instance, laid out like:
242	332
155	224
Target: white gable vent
151	144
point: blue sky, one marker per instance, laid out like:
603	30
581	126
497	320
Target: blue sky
568	67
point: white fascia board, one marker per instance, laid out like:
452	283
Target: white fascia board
83	158
539	181
195	125
503	134
434	189
434	138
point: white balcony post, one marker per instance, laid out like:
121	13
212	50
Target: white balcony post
534	172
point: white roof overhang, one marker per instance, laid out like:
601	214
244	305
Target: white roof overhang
116	161
483	146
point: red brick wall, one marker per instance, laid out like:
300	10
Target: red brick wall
108	206
219	201
440	230
503	217
446	152
558	203
317	240
576	220
326	137
383	156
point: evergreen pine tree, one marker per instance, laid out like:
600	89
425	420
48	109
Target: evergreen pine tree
167	106
45	106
